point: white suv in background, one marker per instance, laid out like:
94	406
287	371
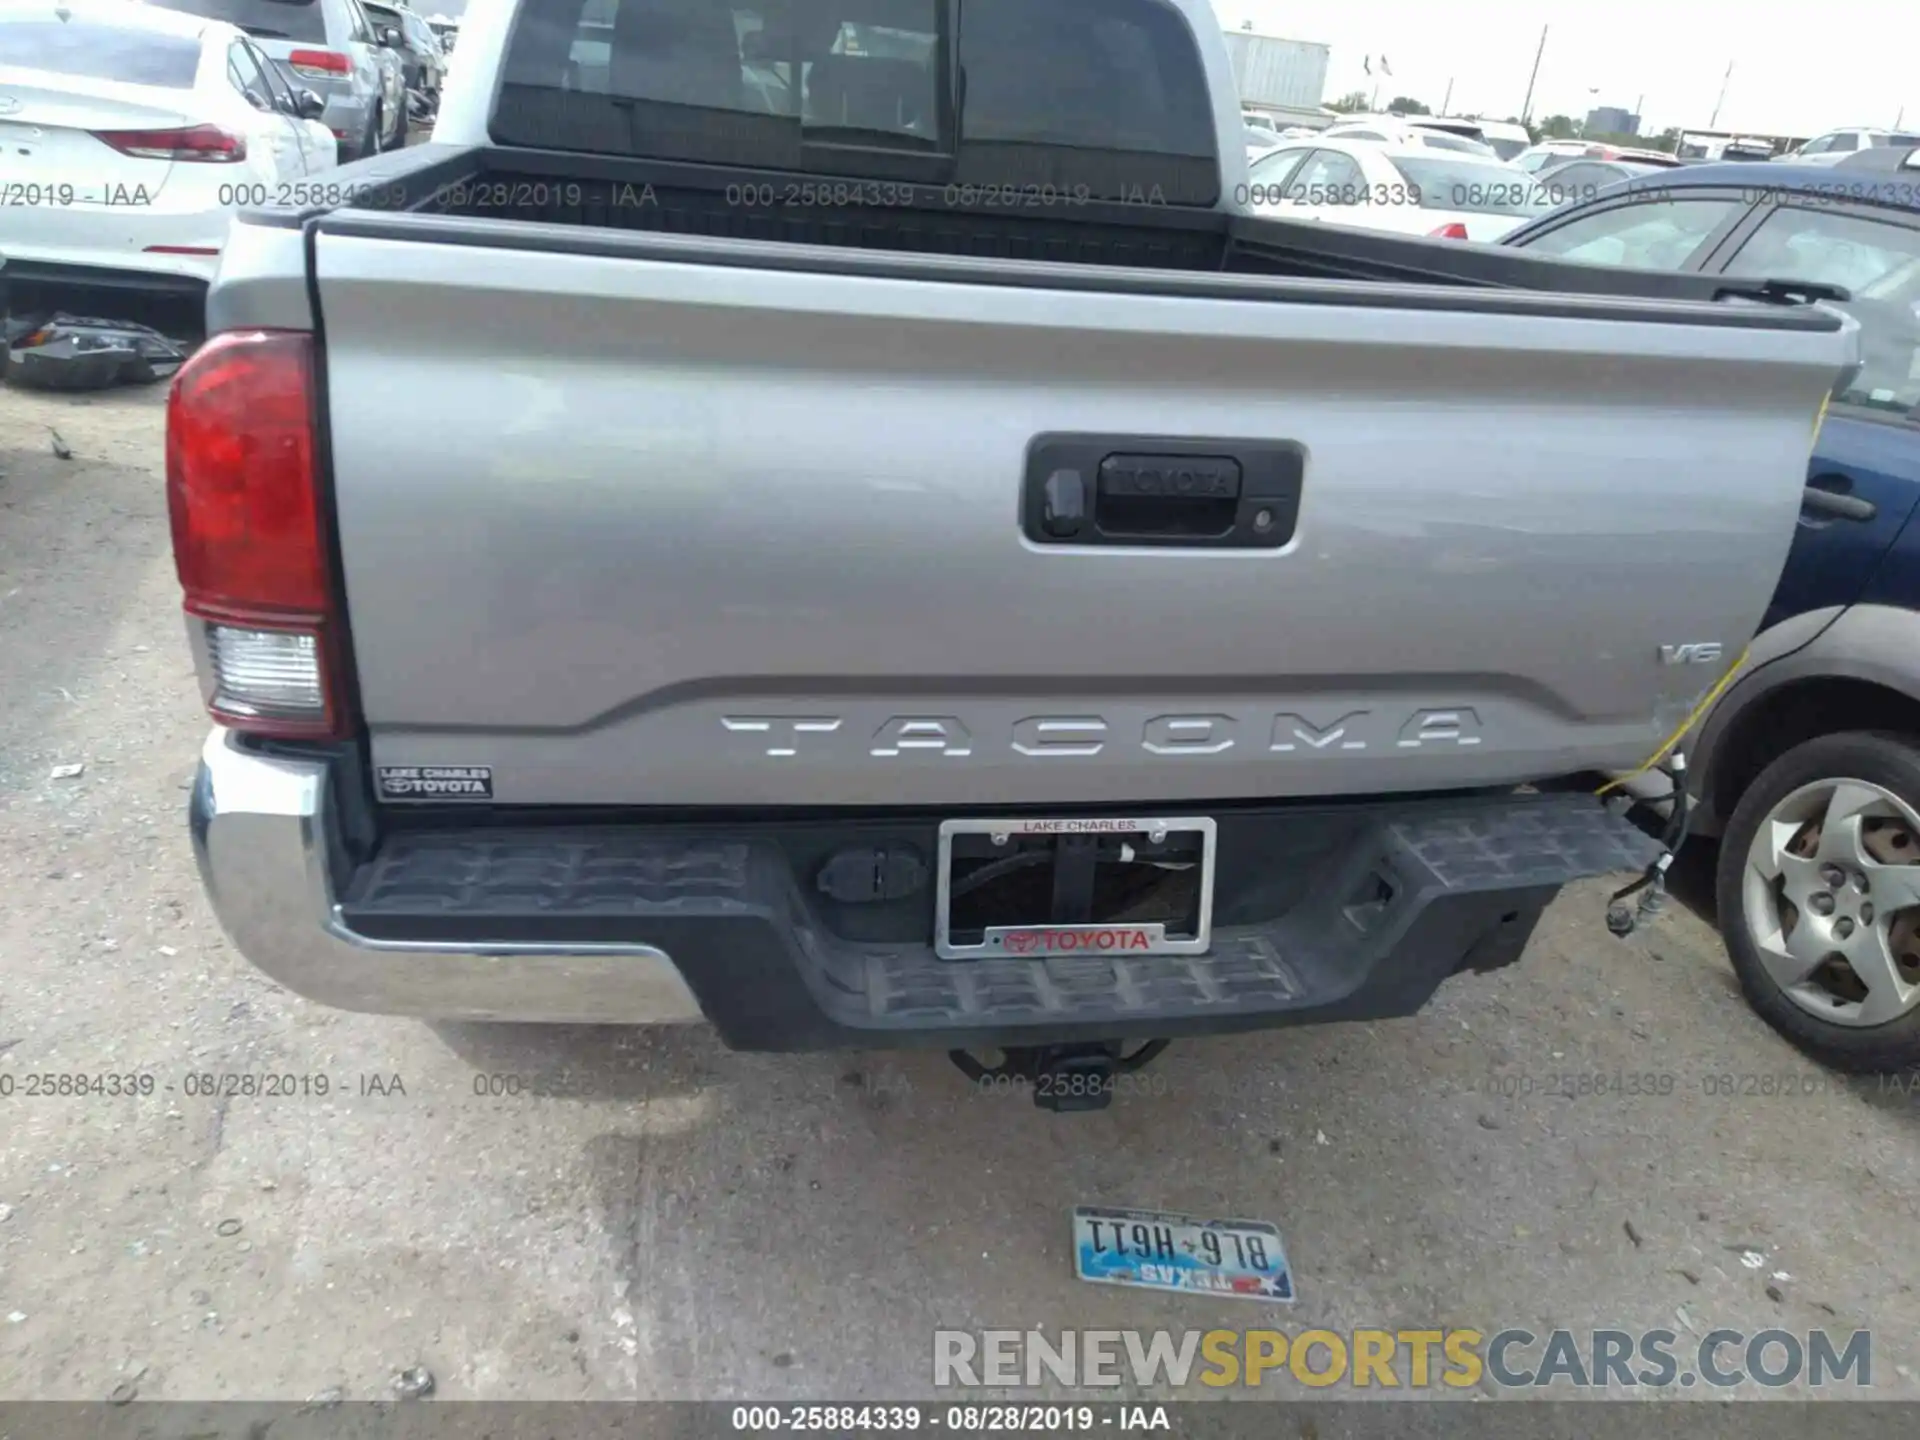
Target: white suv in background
333	48
1836	145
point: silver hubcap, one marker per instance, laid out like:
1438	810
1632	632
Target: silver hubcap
1831	899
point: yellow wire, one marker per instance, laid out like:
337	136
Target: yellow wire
1685	725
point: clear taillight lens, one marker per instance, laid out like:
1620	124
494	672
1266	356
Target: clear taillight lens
265	674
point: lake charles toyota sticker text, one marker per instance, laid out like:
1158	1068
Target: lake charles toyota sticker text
436	782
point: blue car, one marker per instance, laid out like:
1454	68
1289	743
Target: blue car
1808	766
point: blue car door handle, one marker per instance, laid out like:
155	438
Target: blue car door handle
1831	506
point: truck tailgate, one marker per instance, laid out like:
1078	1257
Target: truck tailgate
638	531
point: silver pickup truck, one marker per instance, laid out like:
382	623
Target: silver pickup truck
835	520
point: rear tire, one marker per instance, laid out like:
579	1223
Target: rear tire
1805	801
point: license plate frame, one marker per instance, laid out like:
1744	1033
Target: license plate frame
1182	1266
1042	939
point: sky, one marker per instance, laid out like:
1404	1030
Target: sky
1796	70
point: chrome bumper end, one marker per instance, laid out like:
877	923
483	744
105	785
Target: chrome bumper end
261	835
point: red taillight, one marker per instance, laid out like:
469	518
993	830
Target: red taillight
248	538
207	144
1452	230
318	64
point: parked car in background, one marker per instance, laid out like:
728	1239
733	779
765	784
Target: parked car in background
1259	120
1388	131
130	134
1695	148
332	48
423	65
1536	158
1836	145
1549	154
1808	768
1409	189
1654	159
1580	180
1505	138
1884	158
423	42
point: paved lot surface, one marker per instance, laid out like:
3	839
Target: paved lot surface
671	1220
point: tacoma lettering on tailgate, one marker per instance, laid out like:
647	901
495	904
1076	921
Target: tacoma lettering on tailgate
1064	736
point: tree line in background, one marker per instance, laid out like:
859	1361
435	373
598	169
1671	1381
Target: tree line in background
1553	127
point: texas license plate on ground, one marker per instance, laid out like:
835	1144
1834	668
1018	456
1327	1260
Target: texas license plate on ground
1234	1258
1083	885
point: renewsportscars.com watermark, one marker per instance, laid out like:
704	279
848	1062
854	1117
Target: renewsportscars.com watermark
1451	1358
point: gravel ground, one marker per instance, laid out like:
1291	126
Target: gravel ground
672	1220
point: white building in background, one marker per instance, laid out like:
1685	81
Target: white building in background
1284	78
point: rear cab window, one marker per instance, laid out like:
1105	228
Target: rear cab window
1103	99
91	50
263	19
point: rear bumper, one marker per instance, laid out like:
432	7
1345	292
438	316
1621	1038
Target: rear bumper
1352	913
114	244
267	842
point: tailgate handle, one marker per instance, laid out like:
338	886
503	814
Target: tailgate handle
1083	490
1831	505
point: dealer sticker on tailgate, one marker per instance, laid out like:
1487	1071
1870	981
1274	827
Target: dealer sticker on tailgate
1159	1251
436	782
